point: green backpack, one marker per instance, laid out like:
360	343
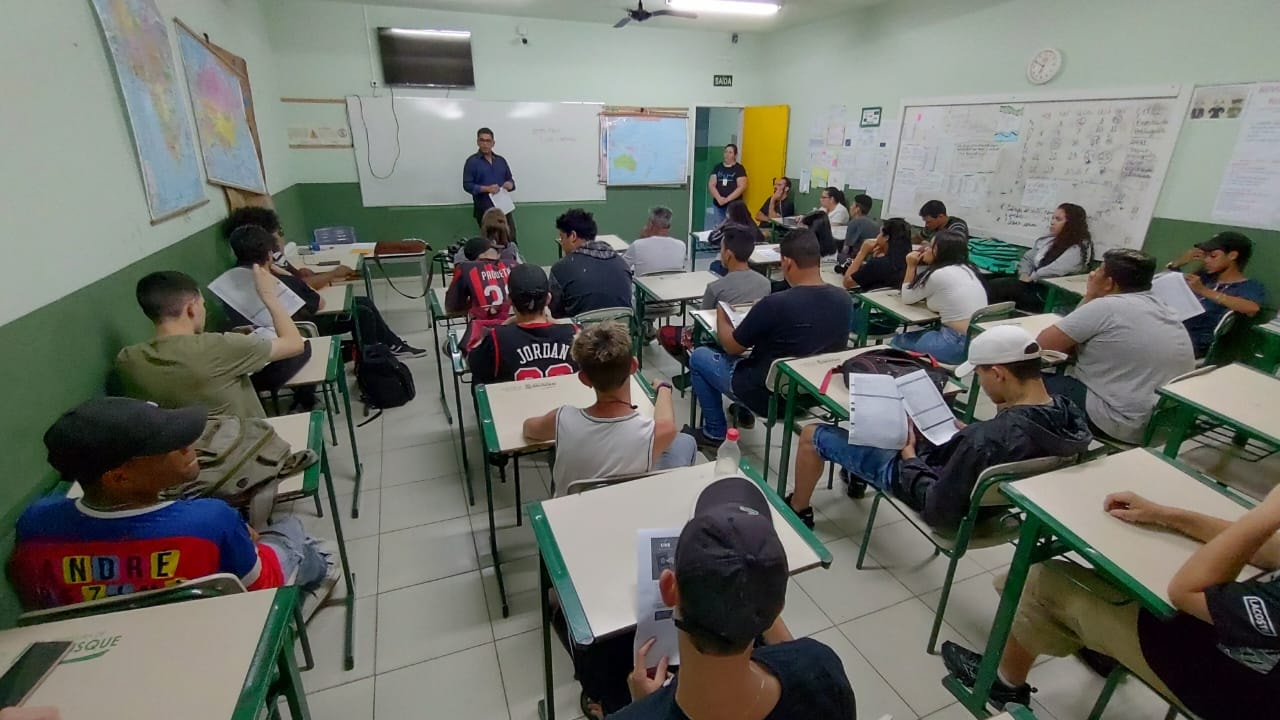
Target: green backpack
242	460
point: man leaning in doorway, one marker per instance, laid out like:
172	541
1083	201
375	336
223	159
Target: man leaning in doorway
484	174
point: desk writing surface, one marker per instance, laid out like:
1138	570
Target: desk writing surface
187	660
813	370
1236	392
293	429
596	534
706	319
831	277
438	307
891	301
317	368
1075	284
510	403
677	286
1033	324
1073	496
349	255
615	242
765	255
334	299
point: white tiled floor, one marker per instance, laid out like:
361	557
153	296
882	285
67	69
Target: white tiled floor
431	641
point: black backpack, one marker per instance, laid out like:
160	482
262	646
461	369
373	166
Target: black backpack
384	381
895	362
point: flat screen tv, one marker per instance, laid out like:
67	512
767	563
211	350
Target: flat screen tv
426	58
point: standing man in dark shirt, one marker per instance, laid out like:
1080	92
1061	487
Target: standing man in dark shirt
808	318
779	204
591	275
728	182
530	348
484	174
727	586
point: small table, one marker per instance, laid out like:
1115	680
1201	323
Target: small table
765	256
890	303
325	368
1065	287
592	536
1238	396
334	299
668	288
439	315
502	408
615	242
208	659
1064	514
1033	324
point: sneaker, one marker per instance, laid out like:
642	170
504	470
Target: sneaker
963	665
805	515
742	418
704	442
405	350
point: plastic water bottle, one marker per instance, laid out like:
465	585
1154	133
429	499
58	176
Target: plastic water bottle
729	455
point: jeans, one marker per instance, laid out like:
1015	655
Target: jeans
874	466
1068	387
680	453
711	375
298	552
944	344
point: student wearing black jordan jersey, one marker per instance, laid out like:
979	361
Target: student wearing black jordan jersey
529	346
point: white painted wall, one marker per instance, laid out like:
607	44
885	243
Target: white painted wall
323	50
75	209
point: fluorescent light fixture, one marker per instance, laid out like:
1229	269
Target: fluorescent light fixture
407	32
728	7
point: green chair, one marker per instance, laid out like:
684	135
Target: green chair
995	311
1001	524
1224	326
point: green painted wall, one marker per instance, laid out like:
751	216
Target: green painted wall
622	213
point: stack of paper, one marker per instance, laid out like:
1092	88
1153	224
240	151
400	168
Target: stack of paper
236	288
880	405
1171	288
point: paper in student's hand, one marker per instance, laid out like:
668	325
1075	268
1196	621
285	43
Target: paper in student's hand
1171	288
736	313
876	415
926	407
655	552
236	288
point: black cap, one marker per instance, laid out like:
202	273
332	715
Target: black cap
1228	241
527	281
105	433
475	247
730	566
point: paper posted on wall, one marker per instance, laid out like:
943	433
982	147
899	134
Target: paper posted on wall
1171	288
879	406
237	289
655	552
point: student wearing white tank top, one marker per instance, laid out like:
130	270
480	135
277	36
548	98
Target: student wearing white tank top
611	437
950	287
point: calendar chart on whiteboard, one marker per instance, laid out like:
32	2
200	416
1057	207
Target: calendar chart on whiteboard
1005	166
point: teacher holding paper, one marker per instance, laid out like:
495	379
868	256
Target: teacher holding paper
487	176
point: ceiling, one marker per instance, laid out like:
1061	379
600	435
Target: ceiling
794	12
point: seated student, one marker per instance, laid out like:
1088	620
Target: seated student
808	318
373	328
495	227
610	437
819	223
1220	283
832	203
184	365
779	204
252	245
935	218
1066	250
1127	345
861	227
949	286
881	261
737	215
591	275
119	538
728	585
528	346
656	251
1218	657
479	288
937	481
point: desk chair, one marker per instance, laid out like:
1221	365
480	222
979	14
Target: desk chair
581	486
995	311
1224	326
973	533
460	369
1109	689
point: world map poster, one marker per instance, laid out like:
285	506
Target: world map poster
226	142
138	41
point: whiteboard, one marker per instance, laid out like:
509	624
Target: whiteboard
412	152
645	150
1004	165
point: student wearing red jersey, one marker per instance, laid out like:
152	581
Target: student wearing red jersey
479	288
529	346
119	538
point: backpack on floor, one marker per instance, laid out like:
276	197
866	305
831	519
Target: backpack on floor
240	462
894	362
384	381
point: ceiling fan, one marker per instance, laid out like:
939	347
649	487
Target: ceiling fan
639	14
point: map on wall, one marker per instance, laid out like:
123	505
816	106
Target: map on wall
226	142
138	42
645	150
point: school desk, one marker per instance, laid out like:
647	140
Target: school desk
442	318
1063	513
667	289
334	299
209	659
1064	290
889	302
1238	396
502	409
587	549
360	257
1033	324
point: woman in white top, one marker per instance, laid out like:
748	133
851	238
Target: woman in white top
1066	250
834	205
950	287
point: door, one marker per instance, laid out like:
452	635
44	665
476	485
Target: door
764	150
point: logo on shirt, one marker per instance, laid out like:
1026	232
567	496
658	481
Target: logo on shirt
1258	615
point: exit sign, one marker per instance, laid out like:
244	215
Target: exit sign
722	80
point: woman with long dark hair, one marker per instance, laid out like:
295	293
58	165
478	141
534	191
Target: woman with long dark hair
1066	250
820	224
882	260
949	286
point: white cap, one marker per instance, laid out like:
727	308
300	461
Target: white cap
1001	345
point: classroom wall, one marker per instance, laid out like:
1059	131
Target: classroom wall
933	48
70	175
